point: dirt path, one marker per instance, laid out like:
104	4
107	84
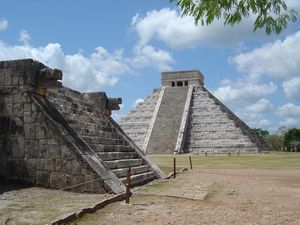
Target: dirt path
230	196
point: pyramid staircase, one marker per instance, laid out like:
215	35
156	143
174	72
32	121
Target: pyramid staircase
137	123
106	139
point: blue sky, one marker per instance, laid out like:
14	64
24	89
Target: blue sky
121	47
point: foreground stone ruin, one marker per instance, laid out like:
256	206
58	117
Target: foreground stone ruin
183	116
55	137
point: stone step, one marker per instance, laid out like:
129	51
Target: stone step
134	170
123	163
106	156
99	134
103	141
111	148
140	179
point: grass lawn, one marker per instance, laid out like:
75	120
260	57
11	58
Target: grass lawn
255	161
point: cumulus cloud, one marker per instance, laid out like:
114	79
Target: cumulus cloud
241	92
149	56
290	123
261	106
263	123
91	72
84	73
24	37
169	26
3	24
289	110
279	60
292	88
290	113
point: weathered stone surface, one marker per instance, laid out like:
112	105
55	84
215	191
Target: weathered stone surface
51	138
168	120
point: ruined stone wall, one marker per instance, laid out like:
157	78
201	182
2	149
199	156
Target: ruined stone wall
31	150
61	138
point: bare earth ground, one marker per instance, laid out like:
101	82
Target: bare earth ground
211	196
41	206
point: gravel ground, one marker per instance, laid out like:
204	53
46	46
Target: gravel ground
211	196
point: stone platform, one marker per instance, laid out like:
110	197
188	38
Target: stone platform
55	137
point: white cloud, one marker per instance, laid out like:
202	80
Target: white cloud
24	37
289	110
181	32
290	123
92	72
242	92
261	106
263	123
136	102
148	56
3	24
82	73
292	88
279	60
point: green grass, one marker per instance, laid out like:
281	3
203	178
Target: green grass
255	161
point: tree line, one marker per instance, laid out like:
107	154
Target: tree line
283	139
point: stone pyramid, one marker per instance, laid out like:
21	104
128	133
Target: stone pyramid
183	116
56	137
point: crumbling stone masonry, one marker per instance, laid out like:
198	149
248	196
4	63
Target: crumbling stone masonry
55	137
183	116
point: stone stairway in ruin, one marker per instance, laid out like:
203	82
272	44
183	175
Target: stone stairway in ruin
212	127
137	123
98	132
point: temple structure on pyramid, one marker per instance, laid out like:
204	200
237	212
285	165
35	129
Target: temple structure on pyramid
182	116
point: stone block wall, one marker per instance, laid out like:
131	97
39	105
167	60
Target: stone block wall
55	137
30	151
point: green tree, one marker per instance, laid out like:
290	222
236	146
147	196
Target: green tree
275	142
263	134
273	15
292	135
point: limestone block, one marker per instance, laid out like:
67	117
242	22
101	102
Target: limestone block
41	131
29	131
17	147
42	178
66	153
40	164
54	151
31	148
28	117
18	108
57	180
49	165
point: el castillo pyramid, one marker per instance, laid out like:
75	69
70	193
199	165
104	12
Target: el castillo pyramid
182	116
